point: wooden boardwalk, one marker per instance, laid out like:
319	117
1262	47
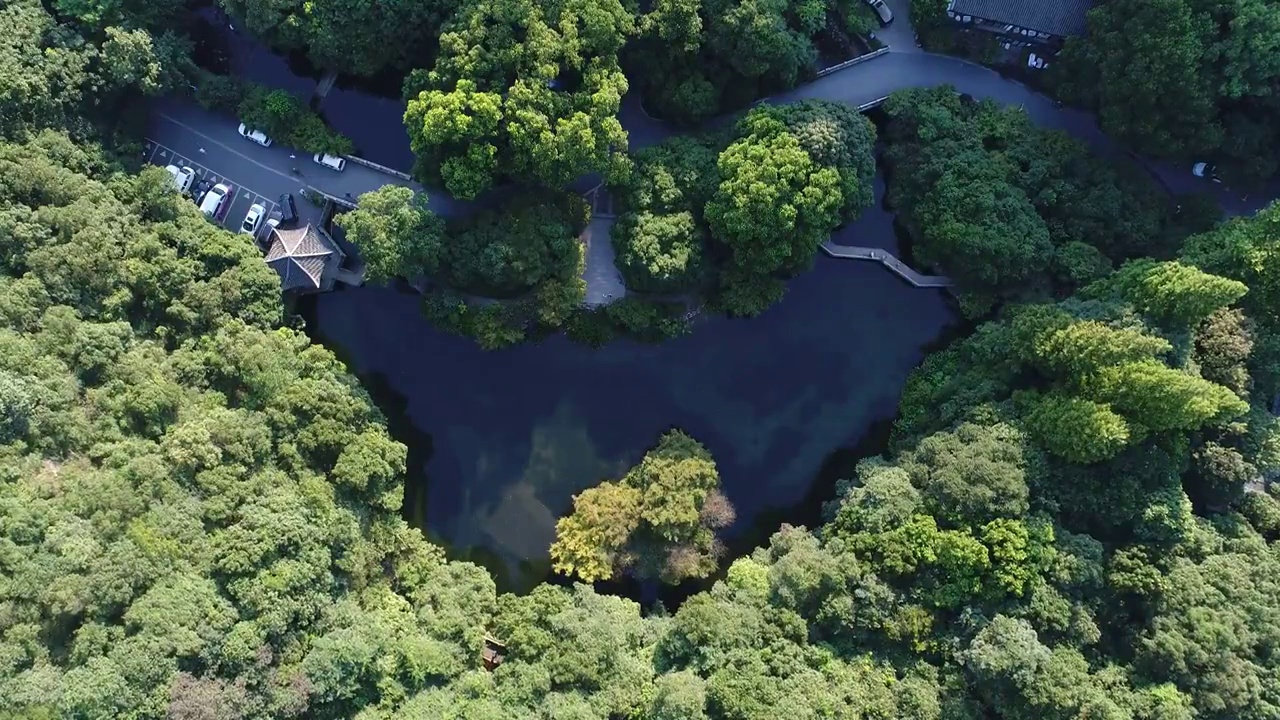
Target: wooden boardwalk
887	259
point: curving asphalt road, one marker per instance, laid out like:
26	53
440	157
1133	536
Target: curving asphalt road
871	81
269	171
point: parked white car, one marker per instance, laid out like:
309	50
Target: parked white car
333	162
882	10
1205	170
213	200
182	177
253	220
255	135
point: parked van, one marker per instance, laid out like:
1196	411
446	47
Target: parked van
182	177
288	211
214	199
255	135
333	162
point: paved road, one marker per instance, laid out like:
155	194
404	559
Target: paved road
186	128
270	171
600	271
905	66
870	81
899	35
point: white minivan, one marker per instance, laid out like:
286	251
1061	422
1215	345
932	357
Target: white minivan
255	135
182	177
333	162
212	201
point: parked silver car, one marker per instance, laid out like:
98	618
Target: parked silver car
882	10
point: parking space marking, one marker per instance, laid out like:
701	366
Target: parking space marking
226	207
239	198
229	217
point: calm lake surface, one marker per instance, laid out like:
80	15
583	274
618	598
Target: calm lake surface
501	441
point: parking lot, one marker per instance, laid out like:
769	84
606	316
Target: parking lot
233	212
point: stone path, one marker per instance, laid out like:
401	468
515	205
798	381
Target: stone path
887	259
600	271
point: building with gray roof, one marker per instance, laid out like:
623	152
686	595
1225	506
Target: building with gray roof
1034	20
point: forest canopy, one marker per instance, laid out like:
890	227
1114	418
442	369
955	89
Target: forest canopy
200	510
1183	79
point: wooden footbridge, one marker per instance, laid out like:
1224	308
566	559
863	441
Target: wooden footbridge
887	259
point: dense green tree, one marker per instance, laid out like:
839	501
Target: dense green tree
774	205
195	491
61	77
678	696
756	40
1224	342
658	253
200	510
360	38
287	118
396	234
1010	210
1076	429
979	228
708	56
835	135
659	237
1157	397
1174	292
659	521
1245	249
1218	57
974	473
16	405
524	91
677	175
1145	68
454	135
503	254
1085	347
1204	640
739	224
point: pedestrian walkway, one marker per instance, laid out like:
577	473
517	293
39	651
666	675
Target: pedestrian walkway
601	202
886	258
600	271
324	86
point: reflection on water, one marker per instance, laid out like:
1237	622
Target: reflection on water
515	434
518	524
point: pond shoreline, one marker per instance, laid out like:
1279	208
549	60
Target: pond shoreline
500	441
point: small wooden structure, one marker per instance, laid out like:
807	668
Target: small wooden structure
306	258
493	652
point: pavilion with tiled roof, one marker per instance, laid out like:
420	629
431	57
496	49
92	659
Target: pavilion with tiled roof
305	258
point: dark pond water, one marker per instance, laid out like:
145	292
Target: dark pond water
501	441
